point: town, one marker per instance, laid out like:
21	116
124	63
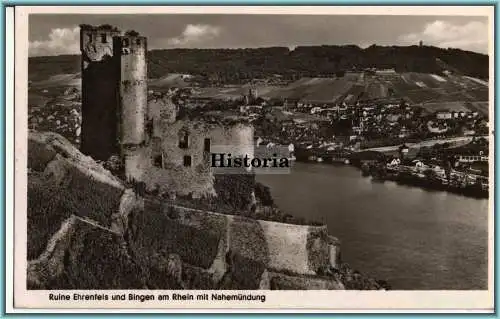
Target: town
429	143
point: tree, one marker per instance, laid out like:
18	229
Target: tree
132	33
430	175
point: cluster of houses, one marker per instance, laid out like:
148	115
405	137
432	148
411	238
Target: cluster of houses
447	176
469	122
375	122
459	170
448	115
375	117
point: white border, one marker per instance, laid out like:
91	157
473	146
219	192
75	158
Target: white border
9	152
322	301
288	10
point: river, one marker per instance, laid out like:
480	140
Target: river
411	237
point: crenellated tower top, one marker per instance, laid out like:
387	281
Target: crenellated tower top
96	42
130	43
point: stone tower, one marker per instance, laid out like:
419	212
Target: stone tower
114	96
133	89
133	101
100	76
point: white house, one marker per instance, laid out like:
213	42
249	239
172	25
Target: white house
394	162
443	115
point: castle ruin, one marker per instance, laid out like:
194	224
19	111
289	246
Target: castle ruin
118	119
114	91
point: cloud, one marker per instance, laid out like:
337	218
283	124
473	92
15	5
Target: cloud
471	36
195	34
61	41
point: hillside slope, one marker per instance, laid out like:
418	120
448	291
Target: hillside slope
236	65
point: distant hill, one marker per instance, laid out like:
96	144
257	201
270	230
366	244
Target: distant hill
240	65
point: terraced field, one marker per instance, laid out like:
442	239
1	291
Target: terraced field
429	90
481	107
170	80
64	80
452	106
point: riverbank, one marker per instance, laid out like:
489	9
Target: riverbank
404	175
407	176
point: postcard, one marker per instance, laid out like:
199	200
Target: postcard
260	159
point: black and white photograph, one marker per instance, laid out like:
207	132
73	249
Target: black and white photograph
235	153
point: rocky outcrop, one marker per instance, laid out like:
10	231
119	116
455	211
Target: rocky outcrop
67	154
128	203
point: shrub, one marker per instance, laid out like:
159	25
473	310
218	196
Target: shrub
158	279
196	278
102	262
263	193
248	255
354	280
244	273
86	197
235	190
155	231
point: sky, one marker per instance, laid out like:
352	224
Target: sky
54	34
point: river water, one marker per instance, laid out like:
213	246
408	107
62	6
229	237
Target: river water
411	237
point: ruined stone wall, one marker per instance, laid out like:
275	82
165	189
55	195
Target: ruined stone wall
239	136
279	247
195	178
298	249
100	77
161	112
136	161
